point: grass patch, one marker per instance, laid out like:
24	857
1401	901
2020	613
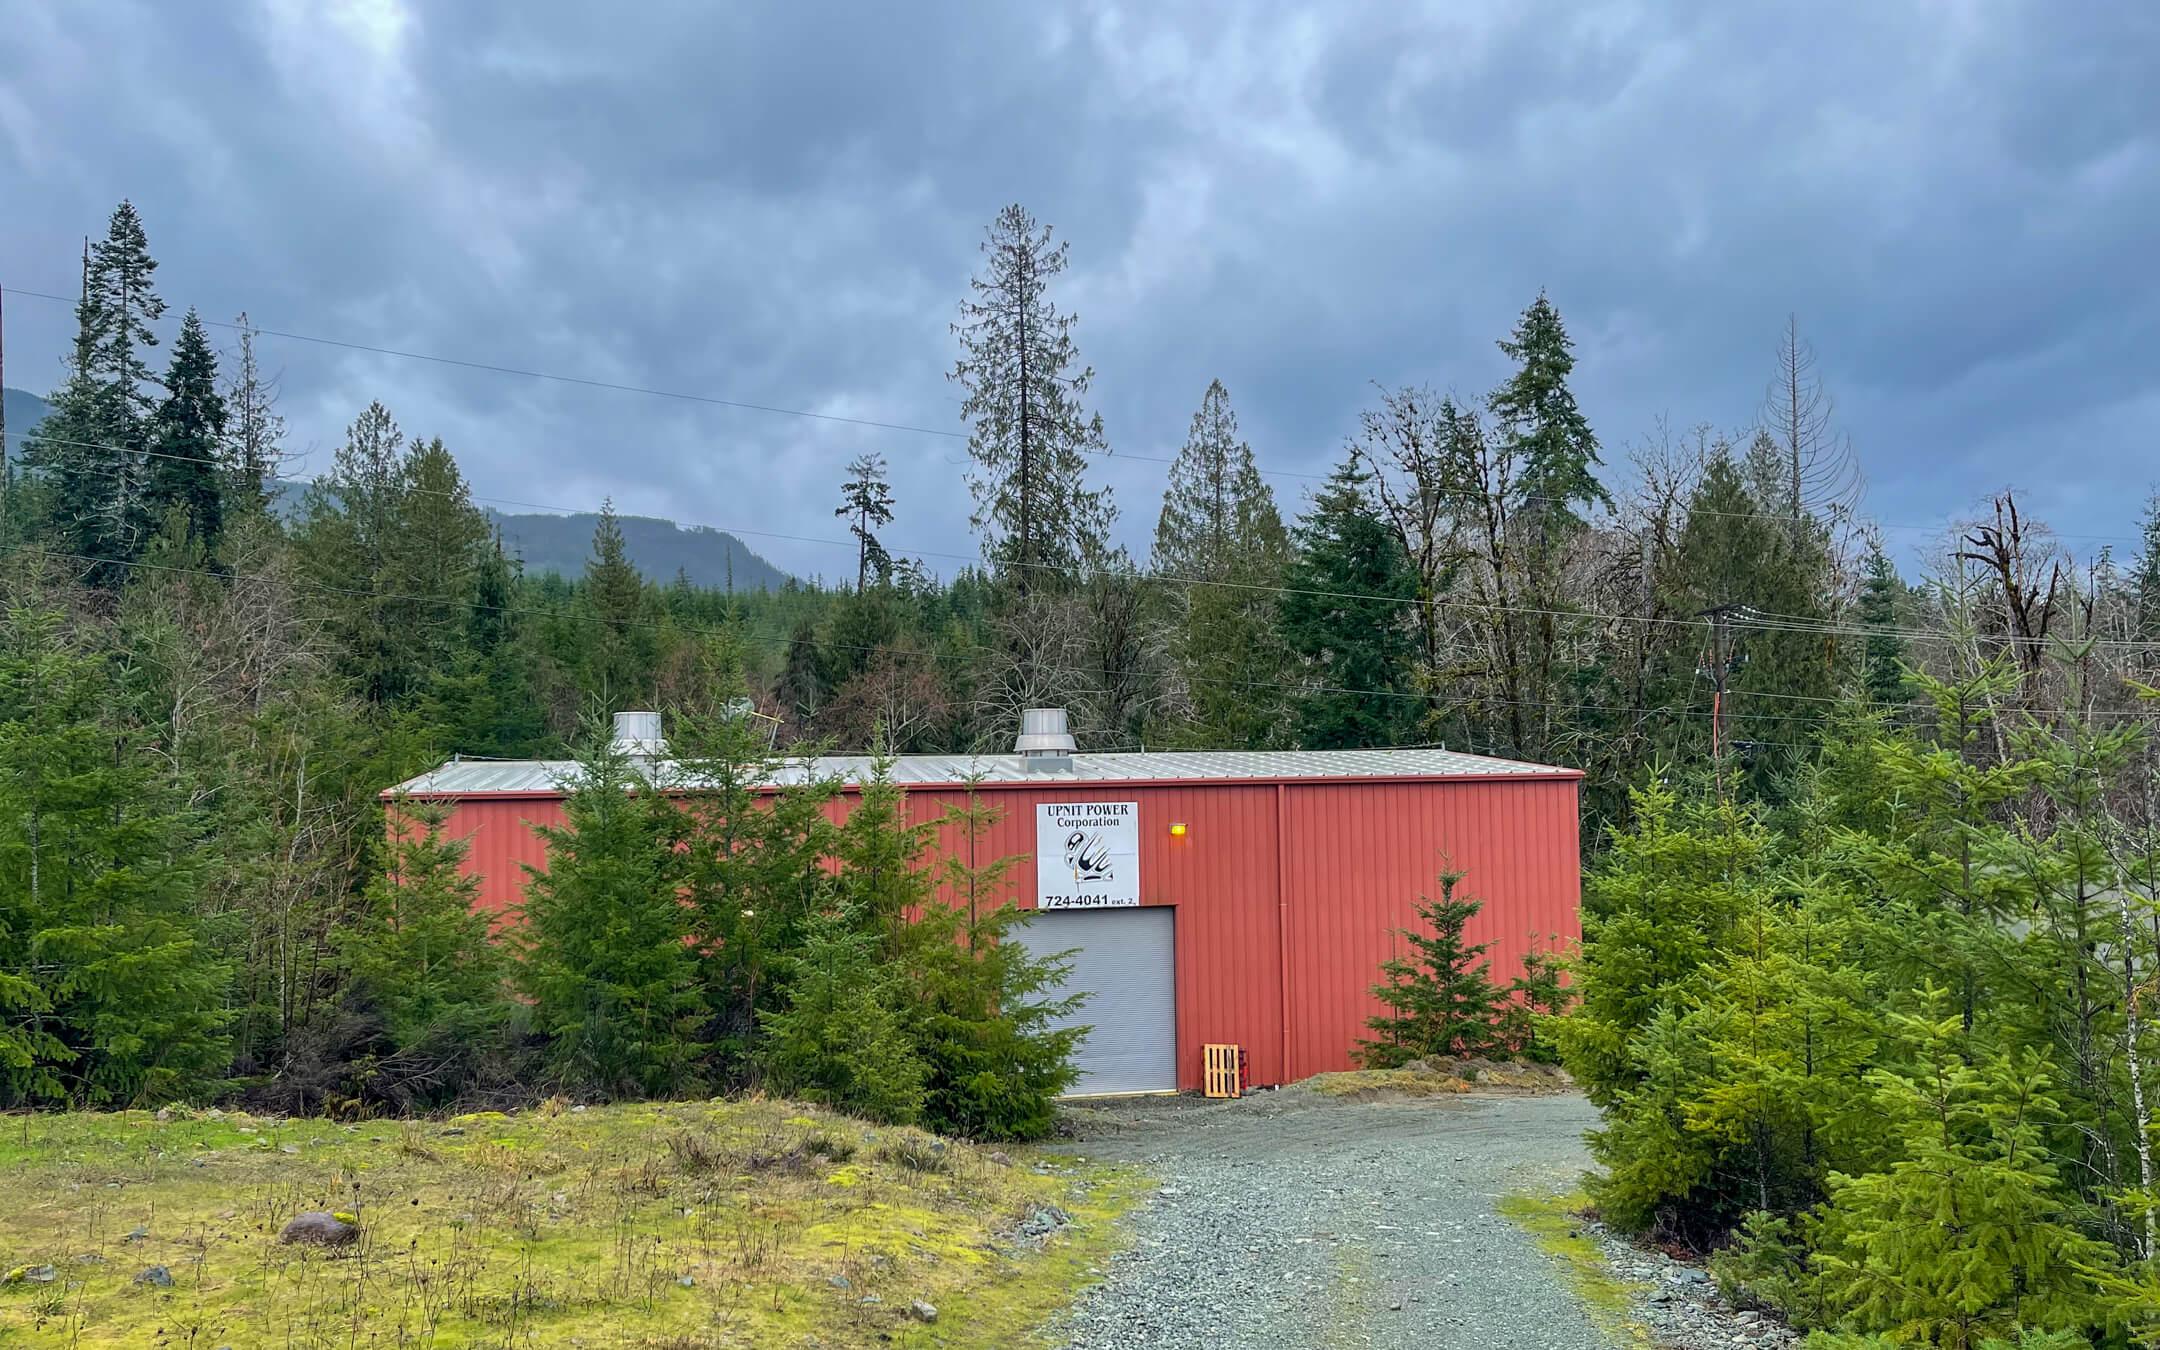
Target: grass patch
1371	1084
1555	1223
668	1225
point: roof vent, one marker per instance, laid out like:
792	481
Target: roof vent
1045	745
638	733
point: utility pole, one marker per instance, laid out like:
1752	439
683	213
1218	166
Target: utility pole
7	467
1720	659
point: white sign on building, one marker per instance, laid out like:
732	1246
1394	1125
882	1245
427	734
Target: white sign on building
1087	855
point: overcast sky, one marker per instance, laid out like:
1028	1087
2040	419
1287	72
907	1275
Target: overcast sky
781	204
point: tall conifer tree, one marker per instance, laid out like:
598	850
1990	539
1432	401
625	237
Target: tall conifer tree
866	503
620	643
347	546
89	451
1536	415
1345	616
254	450
1220	549
113	989
1029	434
186	443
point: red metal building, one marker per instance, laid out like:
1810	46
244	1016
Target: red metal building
1233	897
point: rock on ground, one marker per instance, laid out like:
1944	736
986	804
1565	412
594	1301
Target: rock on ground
1680	1305
318	1229
1286	1220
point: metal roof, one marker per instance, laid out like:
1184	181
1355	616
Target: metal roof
547	777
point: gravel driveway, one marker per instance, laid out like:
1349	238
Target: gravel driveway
1289	1220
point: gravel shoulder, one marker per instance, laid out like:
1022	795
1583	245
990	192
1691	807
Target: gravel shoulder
1291	1220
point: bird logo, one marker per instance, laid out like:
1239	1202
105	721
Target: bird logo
1088	856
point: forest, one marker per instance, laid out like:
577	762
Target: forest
1867	989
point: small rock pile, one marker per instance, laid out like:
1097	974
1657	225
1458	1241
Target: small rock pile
1035	1228
1681	1304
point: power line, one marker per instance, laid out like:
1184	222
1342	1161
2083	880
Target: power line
1759	621
551	376
947	433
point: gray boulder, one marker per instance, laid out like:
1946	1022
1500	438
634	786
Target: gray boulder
318	1229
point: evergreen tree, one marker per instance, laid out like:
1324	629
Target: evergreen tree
1221	549
2145	573
1732	552
1344	616
184	472
1537	419
1657	909
1217	514
110	981
1883	658
609	961
990	1024
438	547
423	960
89	451
1537	999
349	549
1965	1236
754	868
618	640
837	1036
485	701
804	688
122	278
842	1033
1786	1026
1028	435
1441	998
255	433
866	502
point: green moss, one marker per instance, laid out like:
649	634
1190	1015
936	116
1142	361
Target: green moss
1555	1222
1030	1287
527	1229
1358	1083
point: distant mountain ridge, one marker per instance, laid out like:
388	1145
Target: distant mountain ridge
23	411
549	543
660	548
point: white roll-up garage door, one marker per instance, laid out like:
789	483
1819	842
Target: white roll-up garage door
1124	960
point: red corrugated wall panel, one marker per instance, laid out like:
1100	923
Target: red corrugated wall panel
500	843
1354	856
1359	855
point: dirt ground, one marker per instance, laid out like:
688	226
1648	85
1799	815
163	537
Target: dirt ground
1295	1219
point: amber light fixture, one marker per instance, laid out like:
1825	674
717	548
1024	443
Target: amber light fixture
1177	830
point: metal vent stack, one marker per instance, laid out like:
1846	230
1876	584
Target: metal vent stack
1046	744
638	733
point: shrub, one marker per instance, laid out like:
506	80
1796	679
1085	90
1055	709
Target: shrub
608	960
1441	999
424	970
839	1039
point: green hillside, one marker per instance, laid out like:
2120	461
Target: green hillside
660	548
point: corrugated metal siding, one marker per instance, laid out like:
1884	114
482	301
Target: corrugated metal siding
1355	855
1357	858
1221	875
501	843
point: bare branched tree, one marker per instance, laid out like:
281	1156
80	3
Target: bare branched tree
2027	571
1822	475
